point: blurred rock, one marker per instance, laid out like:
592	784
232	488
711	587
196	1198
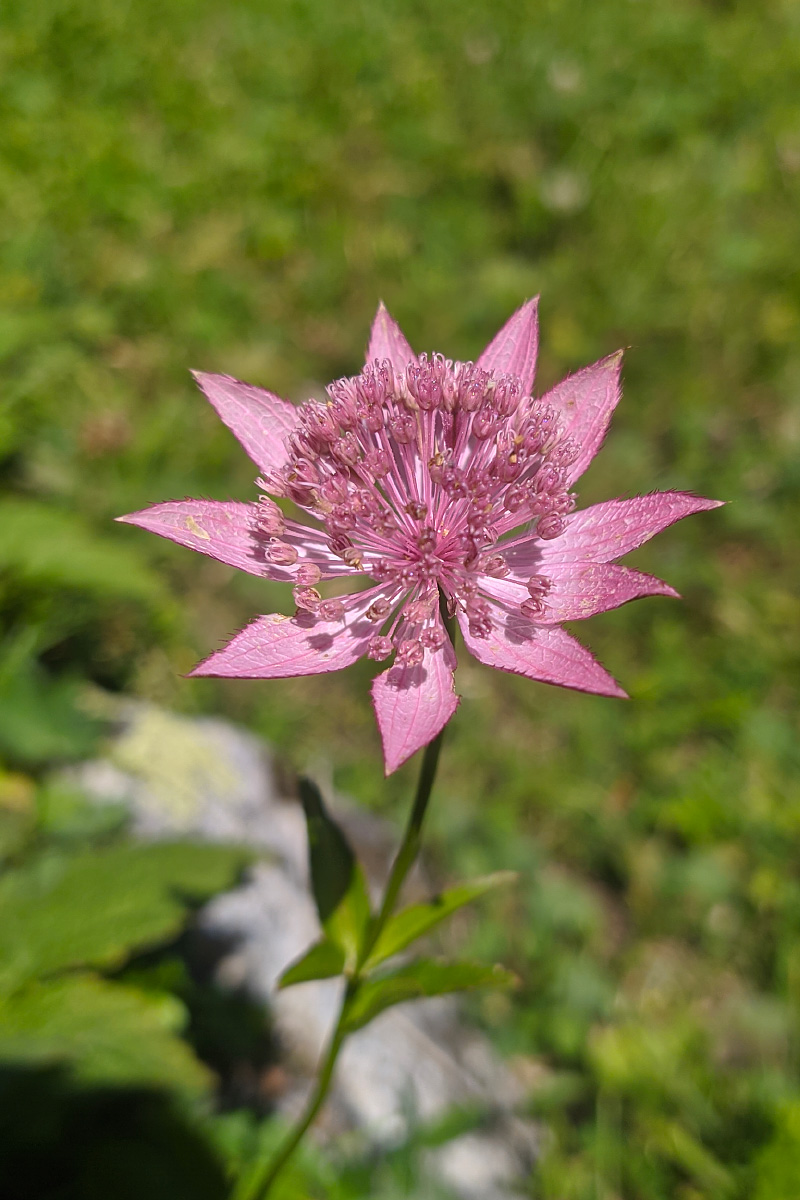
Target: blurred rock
207	778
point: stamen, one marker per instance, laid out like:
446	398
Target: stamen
415	477
379	647
282	554
331	610
307	598
308	573
410	653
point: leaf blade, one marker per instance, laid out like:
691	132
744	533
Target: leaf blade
337	880
413	922
105	1033
420	979
94	908
324	960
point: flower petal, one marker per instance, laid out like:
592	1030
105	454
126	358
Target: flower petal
413	704
608	530
387	340
278	647
225	530
585	402
514	348
580	590
259	419
540	652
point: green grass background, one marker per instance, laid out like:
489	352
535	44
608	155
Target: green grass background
232	187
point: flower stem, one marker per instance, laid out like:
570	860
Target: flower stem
260	1188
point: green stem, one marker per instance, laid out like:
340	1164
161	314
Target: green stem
260	1188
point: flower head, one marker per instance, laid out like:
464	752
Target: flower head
442	483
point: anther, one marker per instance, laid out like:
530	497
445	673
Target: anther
404	428
308	573
282	554
532	609
307	598
433	638
550	526
416	510
411	653
379	647
379	609
331	610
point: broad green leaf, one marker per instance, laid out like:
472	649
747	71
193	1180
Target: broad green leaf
425	977
322	961
412	923
94	909
340	890
105	1032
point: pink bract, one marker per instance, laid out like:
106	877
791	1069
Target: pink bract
435	480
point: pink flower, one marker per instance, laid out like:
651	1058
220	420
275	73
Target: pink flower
428	477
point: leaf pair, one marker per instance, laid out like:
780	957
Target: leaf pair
342	900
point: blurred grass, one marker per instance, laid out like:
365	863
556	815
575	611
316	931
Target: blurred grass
232	187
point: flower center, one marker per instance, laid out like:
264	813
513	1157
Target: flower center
416	476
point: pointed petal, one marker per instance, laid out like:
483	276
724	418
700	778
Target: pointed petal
278	647
580	590
585	402
514	348
259	419
607	531
545	653
226	530
413	704
387	340
221	530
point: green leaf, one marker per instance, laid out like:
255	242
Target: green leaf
412	923
340	890
425	977
322	961
107	1033
93	909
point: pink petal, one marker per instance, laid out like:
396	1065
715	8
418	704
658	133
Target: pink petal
259	419
585	402
225	530
607	531
581	590
387	340
278	647
545	653
413	704
513	349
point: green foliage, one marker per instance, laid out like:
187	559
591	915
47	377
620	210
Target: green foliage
94	909
422	977
419	919
232	188
324	960
110	1034
96	1073
337	879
